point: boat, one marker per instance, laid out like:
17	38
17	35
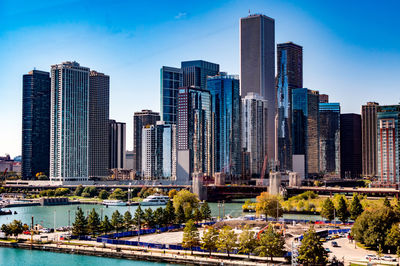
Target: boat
155	200
114	203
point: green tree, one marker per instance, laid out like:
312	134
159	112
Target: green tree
138	219
15	228
186	199
61	192
128	220
118	194
159	217
355	207
268	205
80	226
342	211
209	239
271	244
205	211
103	194
93	221
105	225
117	220
386	203
247	241
227	240
6	229
149	218
78	190
188	214
198	217
180	215
393	237
89	192
328	209
42	177
169	213
190	236
311	251
172	193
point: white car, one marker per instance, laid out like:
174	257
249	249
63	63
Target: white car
371	257
388	258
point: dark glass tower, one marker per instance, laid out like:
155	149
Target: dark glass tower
171	81
35	124
195	73
289	77
350	146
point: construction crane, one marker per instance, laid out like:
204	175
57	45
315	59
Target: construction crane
3	177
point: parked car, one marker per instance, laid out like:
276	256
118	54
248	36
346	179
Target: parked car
328	250
371	257
27	232
388	258
334	244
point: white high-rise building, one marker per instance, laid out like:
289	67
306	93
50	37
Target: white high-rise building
69	128
149	152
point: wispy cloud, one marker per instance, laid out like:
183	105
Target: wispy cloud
181	15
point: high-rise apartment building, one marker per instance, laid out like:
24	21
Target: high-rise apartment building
171	81
329	138
140	120
254	131
225	105
193	133
195	73
350	146
305	128
257	66
369	138
117	145
324	98
149	152
289	77
388	148
69	127
165	151
36	96
99	102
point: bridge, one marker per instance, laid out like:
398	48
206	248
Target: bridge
378	192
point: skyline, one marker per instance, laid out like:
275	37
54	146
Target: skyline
107	42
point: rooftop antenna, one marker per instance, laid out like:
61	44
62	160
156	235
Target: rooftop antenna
249	12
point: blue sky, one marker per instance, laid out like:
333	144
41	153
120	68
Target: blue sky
351	48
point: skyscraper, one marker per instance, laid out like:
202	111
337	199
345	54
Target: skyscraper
329	138
388	148
69	142
117	145
171	81
195	73
149	152
226	129
324	98
165	150
350	146
35	123
257	65
99	102
254	131
369	135
305	128
193	133
289	77
141	119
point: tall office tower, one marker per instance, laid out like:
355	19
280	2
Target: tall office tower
324	98
329	138
305	130
171	81
129	159
193	133
368	126
195	73
99	109
254	131
149	152
35	123
165	150
140	120
289	77
350	146
117	146
225	105
69	142
257	66
388	118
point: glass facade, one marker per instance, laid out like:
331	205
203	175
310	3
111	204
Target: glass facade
350	146
195	73
171	81
165	151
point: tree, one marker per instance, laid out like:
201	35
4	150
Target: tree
393	237
89	192
159	217
117	220
169	213
103	194
227	240
355	207
149	218
328	209
190	236
186	199
118	194
43	177
105	225
78	190
209	239
197	215
205	211
128	221
271	244
138	217
172	193
180	215
6	229
386	203
80	226
342	211
268	205
93	222
311	251
15	228
61	192
247	241
188	214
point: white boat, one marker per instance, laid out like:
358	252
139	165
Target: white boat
155	200
114	203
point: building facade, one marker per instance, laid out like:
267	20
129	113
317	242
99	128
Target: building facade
36	94
69	127
329	138
369	138
226	102
195	73
350	146
289	77
149	152
165	151
254	132
305	128
324	98
99	110
171	81
257	66
117	145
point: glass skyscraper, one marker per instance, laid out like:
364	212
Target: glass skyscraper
226	104
350	146
195	73
171	81
165	150
35	123
117	145
69	122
